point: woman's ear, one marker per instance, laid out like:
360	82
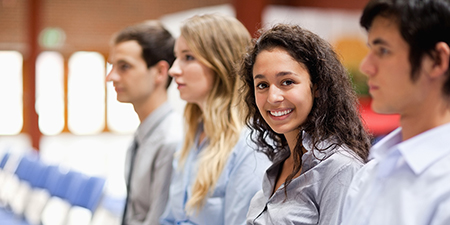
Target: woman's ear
316	91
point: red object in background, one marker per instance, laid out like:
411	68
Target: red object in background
377	124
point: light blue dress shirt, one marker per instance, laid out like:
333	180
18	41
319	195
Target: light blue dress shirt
241	178
313	198
406	183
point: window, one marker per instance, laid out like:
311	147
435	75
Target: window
86	93
11	93
50	92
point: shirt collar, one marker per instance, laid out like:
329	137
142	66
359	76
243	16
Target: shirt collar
312	158
423	150
381	149
151	121
420	151
200	145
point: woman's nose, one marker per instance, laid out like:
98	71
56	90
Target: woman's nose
275	95
175	69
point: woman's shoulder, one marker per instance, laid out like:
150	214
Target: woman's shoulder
344	154
343	157
245	150
244	144
332	160
341	162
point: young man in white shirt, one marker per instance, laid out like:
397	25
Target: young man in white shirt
141	56
407	180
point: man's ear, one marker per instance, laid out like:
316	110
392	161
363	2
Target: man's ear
441	60
162	69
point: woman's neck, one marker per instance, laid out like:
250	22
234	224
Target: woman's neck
292	139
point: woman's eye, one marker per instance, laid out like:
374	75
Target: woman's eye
261	86
189	57
287	82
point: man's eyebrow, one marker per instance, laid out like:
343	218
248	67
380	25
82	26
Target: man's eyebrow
379	41
122	61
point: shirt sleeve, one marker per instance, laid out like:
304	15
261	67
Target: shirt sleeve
245	180
332	198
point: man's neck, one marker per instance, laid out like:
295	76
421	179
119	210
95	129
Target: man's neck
145	108
424	118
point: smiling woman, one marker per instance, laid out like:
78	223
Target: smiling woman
298	94
283	91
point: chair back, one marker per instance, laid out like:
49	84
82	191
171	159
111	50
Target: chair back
90	196
4	160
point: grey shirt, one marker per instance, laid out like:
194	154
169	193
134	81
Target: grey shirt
314	197
150	181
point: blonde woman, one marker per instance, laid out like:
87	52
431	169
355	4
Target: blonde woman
216	172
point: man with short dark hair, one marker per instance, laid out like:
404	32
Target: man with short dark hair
408	179
141	56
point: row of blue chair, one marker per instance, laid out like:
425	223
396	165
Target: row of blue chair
33	192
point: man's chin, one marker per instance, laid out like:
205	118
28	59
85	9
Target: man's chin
382	109
123	100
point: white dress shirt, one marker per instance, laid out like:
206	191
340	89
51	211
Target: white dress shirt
406	183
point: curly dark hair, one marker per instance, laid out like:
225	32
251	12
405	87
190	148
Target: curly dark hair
334	116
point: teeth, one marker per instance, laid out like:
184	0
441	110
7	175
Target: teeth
280	113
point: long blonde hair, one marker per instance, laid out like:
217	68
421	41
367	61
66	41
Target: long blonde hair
219	43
